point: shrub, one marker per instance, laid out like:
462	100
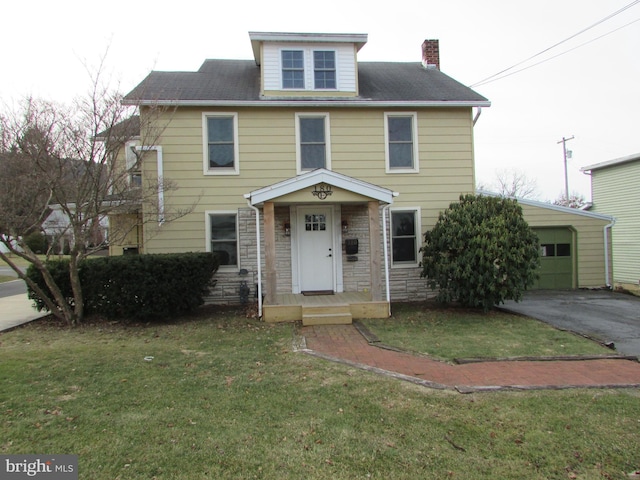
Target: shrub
481	252
139	287
37	242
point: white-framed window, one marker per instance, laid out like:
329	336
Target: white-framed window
324	70
220	143
401	142
292	69
405	236
222	236
313	145
308	69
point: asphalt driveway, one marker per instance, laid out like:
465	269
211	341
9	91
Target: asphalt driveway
600	314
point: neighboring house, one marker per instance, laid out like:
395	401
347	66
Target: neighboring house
313	173
615	190
58	231
575	245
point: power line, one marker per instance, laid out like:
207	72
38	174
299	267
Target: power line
492	79
626	7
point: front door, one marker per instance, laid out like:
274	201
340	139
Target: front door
315	248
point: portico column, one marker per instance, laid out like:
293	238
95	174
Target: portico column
375	266
270	253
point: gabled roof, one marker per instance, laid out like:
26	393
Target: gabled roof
237	83
315	177
611	163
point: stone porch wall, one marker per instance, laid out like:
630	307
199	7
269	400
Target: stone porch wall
405	283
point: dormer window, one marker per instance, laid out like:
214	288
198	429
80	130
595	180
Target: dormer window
307	64
324	69
292	69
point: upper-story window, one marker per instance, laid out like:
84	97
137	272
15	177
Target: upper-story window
313	145
220	143
292	69
324	69
401	142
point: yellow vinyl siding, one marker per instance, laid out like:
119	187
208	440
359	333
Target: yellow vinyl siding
267	151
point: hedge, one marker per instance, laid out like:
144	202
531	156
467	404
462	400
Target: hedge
136	287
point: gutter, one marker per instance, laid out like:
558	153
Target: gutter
248	198
320	103
160	164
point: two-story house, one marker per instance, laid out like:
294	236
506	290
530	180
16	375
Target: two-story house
314	175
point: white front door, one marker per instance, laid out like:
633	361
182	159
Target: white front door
315	248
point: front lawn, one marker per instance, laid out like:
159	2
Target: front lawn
448	333
217	395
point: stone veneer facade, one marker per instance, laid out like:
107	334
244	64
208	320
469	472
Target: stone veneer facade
405	283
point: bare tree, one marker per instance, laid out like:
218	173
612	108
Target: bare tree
514	183
71	158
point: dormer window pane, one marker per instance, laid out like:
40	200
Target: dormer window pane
292	69
324	69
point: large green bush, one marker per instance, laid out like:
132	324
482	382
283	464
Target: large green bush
136	286
481	252
37	242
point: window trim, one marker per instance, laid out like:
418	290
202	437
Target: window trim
207	218
282	69
417	214
414	136
206	170
309	69
327	140
334	69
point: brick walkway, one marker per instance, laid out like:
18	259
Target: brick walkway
346	344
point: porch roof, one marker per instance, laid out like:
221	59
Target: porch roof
314	177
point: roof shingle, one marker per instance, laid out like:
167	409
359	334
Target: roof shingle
239	81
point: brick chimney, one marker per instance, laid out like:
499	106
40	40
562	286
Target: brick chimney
431	54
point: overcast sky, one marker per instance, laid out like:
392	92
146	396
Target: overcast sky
591	92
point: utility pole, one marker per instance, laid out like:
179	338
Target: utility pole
566	177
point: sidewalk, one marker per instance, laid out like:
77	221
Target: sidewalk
344	343
16	310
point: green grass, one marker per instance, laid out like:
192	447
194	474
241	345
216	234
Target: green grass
226	397
7	278
449	333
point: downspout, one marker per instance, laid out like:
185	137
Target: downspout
385	209
248	198
160	163
478	113
606	253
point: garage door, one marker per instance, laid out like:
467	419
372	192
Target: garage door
556	258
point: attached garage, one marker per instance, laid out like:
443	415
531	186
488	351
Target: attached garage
575	245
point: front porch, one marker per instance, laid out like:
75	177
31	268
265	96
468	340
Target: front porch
340	308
